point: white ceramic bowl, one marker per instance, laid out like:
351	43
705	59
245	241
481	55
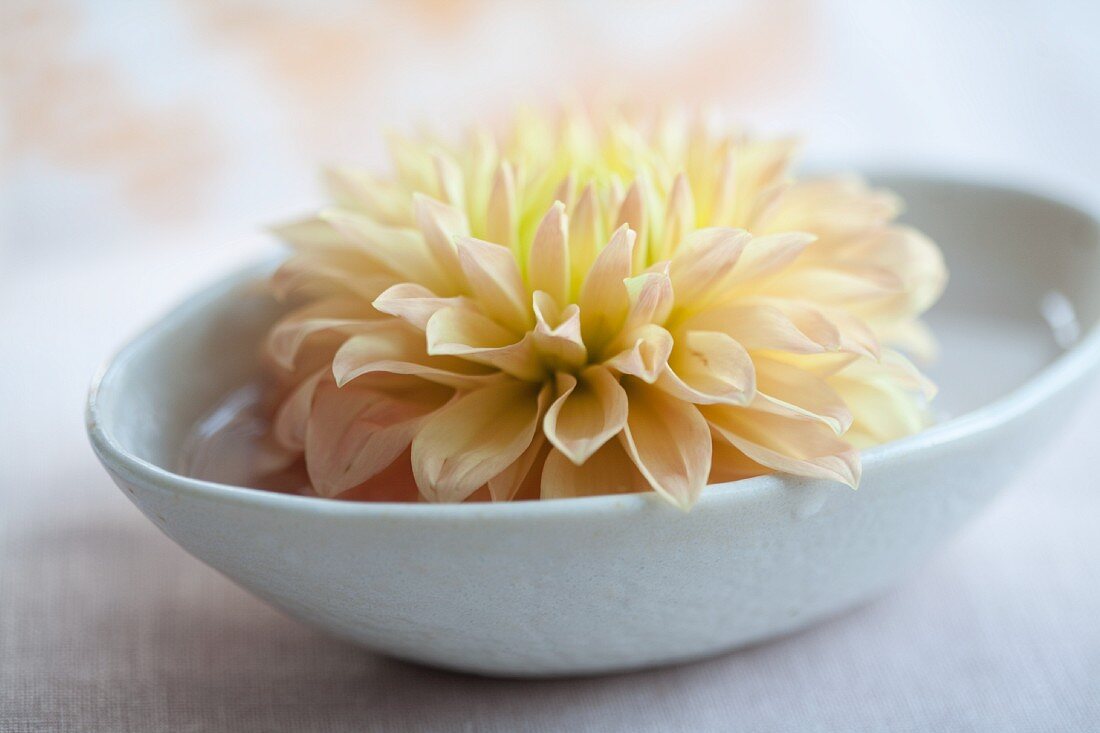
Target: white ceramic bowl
621	582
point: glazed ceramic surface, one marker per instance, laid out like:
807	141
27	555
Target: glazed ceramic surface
612	583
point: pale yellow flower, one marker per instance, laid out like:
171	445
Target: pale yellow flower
589	306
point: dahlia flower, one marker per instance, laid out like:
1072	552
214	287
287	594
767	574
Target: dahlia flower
589	306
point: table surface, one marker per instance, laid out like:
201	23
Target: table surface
105	624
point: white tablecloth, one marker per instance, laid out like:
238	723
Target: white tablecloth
106	625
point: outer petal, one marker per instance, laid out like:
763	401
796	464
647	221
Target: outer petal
788	390
338	271
845	285
708	367
400	250
467	333
704	260
506	484
888	398
767	255
473	439
394	483
587	413
669	441
331	314
837	203
730	464
608	471
798	446
355	433
359	191
440	224
390	340
401	351
309	234
770	324
414	303
292	417
912	337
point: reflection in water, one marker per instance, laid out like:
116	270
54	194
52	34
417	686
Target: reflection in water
228	446
1060	315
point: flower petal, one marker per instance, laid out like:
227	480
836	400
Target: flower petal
357	190
440	224
465	332
414	303
651	298
608	471
309	234
604	299
705	259
473	439
339	313
771	324
647	357
502	219
764	256
390	339
588	412
401	250
354	434
557	334
393	483
844	286
451	185
585	234
729	464
679	218
548	263
632	213
292	417
798	446
788	390
669	441
495	281
401	351
566	191
708	367
331	272
888	398
506	484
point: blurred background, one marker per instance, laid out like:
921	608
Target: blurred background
143	145
138	127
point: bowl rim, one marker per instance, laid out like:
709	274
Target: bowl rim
1068	366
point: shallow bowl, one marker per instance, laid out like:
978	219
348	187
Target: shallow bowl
621	582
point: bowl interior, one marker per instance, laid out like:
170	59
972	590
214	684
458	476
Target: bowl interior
1022	290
